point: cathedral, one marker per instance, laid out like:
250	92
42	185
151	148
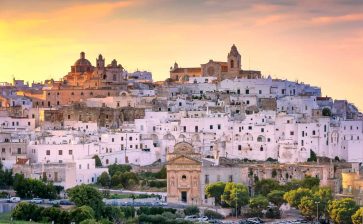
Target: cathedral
221	70
83	74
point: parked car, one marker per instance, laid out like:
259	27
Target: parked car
36	201
54	202
14	200
65	202
191	218
203	219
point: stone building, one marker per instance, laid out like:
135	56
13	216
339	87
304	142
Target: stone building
230	69
183	174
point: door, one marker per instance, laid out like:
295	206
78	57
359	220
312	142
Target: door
184	196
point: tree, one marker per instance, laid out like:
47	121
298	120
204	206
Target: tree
87	195
235	195
26	211
98	161
215	190
104	179
257	204
6	177
82	213
310	182
113	214
191	210
112	169
326	112
358	216
313	157
265	186
212	214
161	174
341	211
294	197
276	197
31	188
307	207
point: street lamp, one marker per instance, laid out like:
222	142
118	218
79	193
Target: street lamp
317	210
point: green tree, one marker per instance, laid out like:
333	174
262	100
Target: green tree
215	190
294	197
27	211
235	194
310	182
104	180
313	157
6	177
307	207
276	197
258	203
30	188
98	161
87	195
265	186
326	112
358	216
113	214
191	210
161	174
82	213
341	211
112	169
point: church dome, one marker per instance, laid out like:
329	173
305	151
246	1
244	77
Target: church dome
82	61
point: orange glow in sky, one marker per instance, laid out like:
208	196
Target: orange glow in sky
317	42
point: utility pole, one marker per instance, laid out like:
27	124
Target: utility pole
317	210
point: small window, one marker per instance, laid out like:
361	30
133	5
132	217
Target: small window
184	177
60	152
70	152
48	152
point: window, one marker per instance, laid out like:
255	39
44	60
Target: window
313	132
48	152
60	152
262	130
239	147
249	127
184	177
3	150
218	178
259	91
247	91
206	179
70	152
291	133
211	127
261	148
113	140
230	178
19	150
219	127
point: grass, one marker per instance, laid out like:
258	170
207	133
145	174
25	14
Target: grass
6	218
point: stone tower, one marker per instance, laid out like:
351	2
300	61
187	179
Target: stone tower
100	61
234	61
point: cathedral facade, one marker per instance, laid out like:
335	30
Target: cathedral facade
230	69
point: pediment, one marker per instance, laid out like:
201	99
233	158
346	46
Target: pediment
184	160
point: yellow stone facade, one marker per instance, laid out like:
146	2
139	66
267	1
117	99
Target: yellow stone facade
183	175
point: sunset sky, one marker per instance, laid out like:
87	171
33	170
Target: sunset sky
314	41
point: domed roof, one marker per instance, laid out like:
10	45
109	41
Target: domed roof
82	61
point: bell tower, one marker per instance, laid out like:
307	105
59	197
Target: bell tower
234	60
100	61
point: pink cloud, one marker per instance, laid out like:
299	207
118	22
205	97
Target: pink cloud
328	20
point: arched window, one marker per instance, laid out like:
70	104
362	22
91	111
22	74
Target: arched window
114	77
106	161
184	177
261	138
232	63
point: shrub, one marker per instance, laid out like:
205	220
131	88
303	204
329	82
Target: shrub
26	211
157	183
273	213
213	215
128	211
191	210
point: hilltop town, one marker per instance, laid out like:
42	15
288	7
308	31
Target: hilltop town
215	123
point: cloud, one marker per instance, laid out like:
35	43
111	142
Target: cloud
328	20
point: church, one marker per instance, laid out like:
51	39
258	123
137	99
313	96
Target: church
230	69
